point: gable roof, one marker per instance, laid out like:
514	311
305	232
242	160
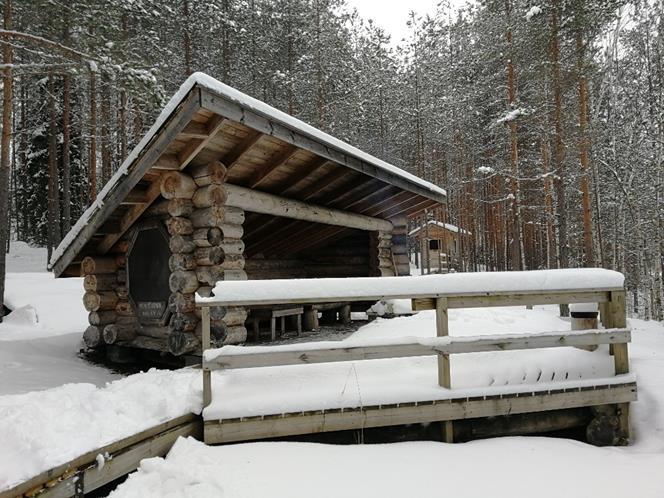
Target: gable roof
232	119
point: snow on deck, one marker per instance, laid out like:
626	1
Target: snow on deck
293	388
320	289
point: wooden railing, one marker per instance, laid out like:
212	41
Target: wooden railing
611	303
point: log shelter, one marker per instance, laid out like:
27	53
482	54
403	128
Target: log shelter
225	187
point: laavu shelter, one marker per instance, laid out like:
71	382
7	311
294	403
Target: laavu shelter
225	187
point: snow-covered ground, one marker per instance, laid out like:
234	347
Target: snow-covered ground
55	406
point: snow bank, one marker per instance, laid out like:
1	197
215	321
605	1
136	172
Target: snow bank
43	429
321	289
506	467
43	306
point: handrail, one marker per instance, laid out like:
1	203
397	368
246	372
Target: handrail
231	357
611	303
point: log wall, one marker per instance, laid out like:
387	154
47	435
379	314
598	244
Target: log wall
206	245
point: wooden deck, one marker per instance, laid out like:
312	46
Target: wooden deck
616	391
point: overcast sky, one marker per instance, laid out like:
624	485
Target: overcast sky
392	15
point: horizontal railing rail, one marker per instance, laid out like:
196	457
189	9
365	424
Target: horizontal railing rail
232	357
505	290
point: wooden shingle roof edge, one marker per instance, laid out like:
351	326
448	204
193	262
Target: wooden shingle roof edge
201	91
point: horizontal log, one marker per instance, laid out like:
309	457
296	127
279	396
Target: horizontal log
180	343
180	207
181	244
182	303
122	292
158	209
116	332
207	236
156	331
148	342
264	203
210	195
232	262
185	261
124	309
93	265
208	217
428	347
183	281
232	246
92	337
204	290
122	276
208	256
177	185
211	173
179	226
100	301
104	281
212	274
101	318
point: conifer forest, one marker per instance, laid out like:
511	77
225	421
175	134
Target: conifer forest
543	119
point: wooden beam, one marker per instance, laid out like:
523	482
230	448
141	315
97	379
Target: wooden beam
310	353
274	164
181	117
130	218
261	202
195	130
194	146
233	157
318	145
303	173
136	196
274	425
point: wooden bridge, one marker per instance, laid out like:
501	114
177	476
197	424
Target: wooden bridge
448	405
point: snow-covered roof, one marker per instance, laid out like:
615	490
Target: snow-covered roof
374	288
365	162
446	226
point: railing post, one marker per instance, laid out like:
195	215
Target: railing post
207	379
618	319
444	377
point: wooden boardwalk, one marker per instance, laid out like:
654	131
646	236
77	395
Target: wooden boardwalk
616	391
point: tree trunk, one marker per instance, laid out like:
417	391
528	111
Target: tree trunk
66	167
559	148
584	146
92	159
53	177
7	102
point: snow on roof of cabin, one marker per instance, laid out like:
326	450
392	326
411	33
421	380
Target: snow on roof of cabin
249	292
210	83
446	226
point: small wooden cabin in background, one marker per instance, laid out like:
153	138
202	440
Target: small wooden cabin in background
437	246
225	187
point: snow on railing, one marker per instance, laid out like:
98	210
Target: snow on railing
439	292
